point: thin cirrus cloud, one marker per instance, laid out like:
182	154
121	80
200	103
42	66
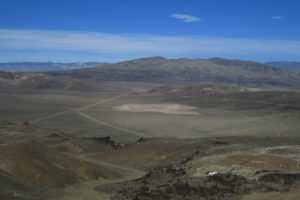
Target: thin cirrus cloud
118	45
276	17
185	18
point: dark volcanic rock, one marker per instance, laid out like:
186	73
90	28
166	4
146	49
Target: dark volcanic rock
171	182
277	181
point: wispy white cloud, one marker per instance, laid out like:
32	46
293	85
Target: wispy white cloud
185	18
144	45
276	17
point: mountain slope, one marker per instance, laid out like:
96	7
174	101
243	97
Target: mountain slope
292	66
214	70
229	97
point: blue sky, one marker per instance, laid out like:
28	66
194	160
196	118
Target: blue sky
115	30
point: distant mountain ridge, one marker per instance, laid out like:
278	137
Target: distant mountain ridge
292	66
45	66
158	70
214	70
43	81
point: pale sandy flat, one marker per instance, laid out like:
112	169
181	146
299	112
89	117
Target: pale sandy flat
175	109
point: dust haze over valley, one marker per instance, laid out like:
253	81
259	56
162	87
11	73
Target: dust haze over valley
128	100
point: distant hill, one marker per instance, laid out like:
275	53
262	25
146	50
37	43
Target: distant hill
43	81
292	66
214	70
6	75
158	70
44	66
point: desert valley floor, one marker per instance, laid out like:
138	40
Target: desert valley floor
142	141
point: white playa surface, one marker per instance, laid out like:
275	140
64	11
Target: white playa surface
175	109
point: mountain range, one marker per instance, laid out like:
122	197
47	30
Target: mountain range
205	71
159	70
292	66
44	66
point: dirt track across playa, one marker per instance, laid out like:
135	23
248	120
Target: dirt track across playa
175	109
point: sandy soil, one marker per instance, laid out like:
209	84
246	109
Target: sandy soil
175	109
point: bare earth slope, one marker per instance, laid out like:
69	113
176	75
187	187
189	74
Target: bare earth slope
43	167
13	188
